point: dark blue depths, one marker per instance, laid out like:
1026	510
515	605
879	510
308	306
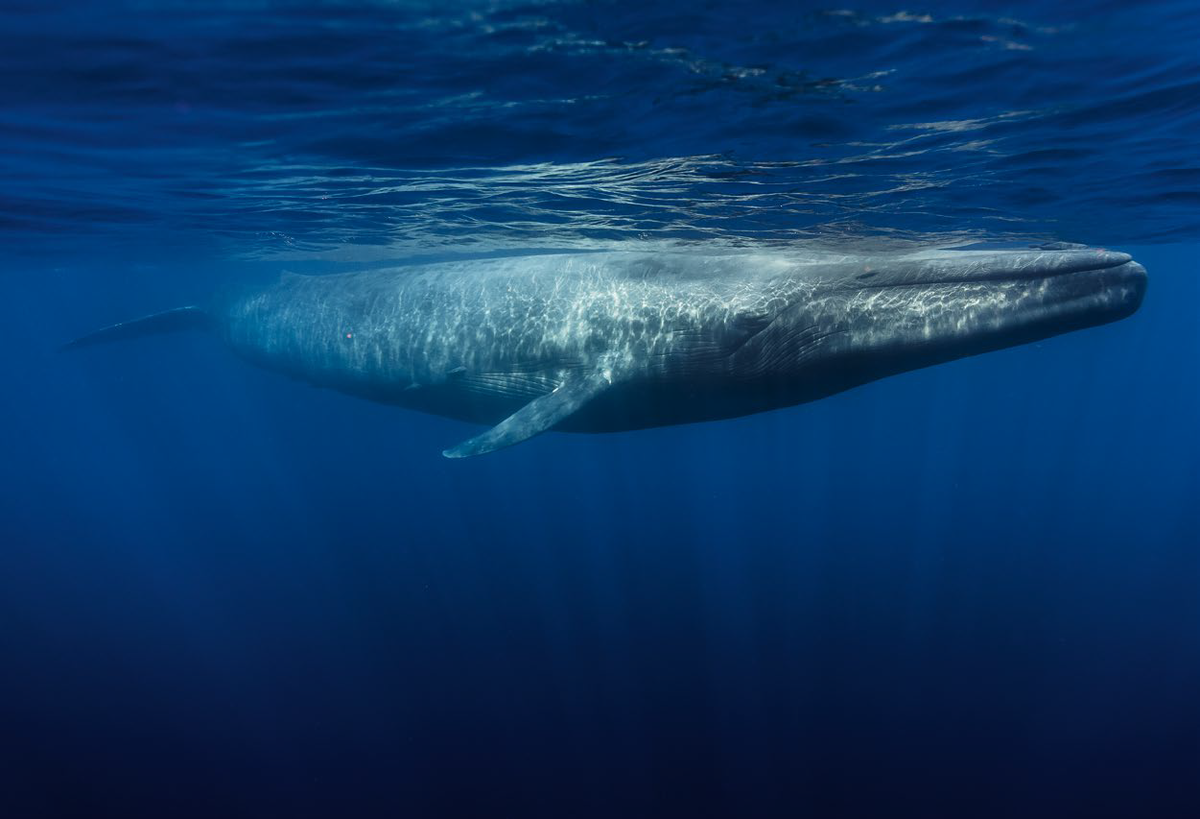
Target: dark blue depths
972	590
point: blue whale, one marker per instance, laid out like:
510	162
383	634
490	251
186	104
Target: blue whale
608	341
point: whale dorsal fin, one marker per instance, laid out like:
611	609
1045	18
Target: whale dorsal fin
538	415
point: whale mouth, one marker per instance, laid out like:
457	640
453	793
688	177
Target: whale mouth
1093	286
1062	300
947	305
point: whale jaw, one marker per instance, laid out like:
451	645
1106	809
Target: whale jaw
978	314
930	316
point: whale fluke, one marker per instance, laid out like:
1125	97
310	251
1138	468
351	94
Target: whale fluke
538	415
168	321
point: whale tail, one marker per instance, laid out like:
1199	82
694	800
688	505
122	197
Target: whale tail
168	321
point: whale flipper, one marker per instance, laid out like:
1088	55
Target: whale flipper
538	415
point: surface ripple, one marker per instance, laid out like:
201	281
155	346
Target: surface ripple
382	129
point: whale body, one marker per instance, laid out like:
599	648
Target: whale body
609	341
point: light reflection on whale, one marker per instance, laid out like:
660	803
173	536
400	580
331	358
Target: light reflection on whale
611	341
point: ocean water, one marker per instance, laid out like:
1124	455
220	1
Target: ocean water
970	590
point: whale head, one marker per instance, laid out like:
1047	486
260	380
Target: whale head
868	318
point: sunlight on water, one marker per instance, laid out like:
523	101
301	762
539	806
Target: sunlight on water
394	129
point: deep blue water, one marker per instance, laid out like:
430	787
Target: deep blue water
971	590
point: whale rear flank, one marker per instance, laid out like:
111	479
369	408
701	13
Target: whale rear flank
179	319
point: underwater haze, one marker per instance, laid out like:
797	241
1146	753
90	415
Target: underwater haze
971	590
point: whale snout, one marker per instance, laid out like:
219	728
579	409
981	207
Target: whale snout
1134	286
1108	294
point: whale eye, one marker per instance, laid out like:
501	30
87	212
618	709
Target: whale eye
868	275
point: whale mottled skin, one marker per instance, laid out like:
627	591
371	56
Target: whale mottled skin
609	341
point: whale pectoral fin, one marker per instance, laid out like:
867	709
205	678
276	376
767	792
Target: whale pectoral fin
537	416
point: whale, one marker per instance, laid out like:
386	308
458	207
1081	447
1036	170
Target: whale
607	341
